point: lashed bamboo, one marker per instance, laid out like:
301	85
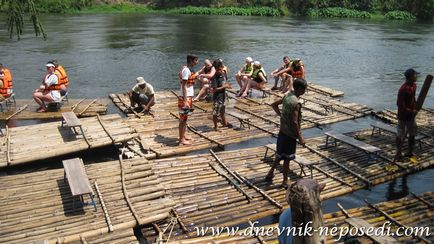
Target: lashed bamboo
38	206
21	146
29	112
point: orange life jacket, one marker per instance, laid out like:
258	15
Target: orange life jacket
63	76
7	82
191	79
55	86
299	73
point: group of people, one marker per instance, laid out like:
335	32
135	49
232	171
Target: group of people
53	87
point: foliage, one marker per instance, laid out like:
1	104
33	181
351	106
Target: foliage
399	15
15	19
337	12
116	8
61	6
258	11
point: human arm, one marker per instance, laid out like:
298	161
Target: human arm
297	126
275	106
210	75
150	102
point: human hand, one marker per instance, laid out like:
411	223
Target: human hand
301	141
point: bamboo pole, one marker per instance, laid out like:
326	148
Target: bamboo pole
260	239
84	110
430	205
8	149
178	219
17	112
105	129
75	105
129	107
104	208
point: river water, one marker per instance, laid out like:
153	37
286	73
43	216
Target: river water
104	53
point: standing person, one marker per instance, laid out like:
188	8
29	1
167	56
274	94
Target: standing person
218	86
290	128
204	76
5	83
185	101
244	73
142	94
46	92
407	111
279	73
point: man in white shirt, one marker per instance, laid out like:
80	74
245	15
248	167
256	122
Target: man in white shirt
185	101
47	92
142	94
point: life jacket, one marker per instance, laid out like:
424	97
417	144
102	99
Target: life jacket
7	82
255	74
63	76
297	72
54	87
191	79
248	69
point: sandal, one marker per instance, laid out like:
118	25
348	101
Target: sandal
269	178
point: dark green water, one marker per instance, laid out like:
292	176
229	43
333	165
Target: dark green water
104	53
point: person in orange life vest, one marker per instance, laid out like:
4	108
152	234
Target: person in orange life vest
5	82
244	73
185	101
280	73
46	92
64	81
257	80
297	71
204	75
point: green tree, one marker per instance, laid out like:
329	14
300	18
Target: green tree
16	10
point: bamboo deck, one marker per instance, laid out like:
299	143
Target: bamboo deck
424	120
36	142
159	131
411	211
38	206
81	107
124	236
344	169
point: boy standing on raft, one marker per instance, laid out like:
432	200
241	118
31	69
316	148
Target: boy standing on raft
185	101
290	128
218	86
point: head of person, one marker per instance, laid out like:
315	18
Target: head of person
312	184
192	60
218	65
141	82
286	60
50	67
207	63
249	60
411	75
300	86
55	62
296	62
257	65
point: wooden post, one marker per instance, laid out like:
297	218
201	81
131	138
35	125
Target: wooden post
424	91
304	199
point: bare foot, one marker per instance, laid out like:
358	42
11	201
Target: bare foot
184	142
216	129
41	110
188	138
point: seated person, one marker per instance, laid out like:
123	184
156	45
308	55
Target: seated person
245	72
142	94
258	80
47	92
205	75
5	83
280	73
297	71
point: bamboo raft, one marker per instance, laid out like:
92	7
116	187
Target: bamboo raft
424	120
411	211
38	206
343	169
81	107
23	144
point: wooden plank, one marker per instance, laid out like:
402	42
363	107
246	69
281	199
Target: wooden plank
17	112
87	107
76	176
353	142
360	223
424	91
237	115
71	119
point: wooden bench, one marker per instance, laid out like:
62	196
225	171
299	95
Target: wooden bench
360	223
379	127
8	101
301	161
71	121
327	106
244	119
264	91
75	175
369	149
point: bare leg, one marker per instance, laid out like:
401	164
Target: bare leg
203	91
214	120
182	128
270	175
398	155
239	81
285	172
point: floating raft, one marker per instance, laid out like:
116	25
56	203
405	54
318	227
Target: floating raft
36	142
344	170
424	120
81	107
411	211
38	206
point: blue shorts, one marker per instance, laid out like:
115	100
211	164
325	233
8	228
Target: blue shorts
286	147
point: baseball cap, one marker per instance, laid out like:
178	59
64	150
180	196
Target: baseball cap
410	72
